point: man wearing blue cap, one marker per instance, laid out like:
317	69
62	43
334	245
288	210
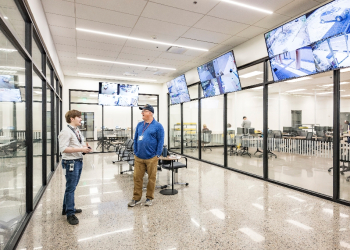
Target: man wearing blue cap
148	146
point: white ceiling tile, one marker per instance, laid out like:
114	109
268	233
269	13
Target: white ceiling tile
272	21
105	16
120	69
193	43
61	21
143	52
100	39
171	15
66	54
98	45
178	57
91	64
59	7
206	36
297	7
251	32
235	13
62	32
135	58
96	52
134	7
202	6
271	5
235	40
167	63
67	62
64	40
148	35
146	46
220	25
66	48
103	27
171	29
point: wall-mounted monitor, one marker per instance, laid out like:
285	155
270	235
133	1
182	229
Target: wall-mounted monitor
117	94
178	90
219	76
10	95
324	30
7	82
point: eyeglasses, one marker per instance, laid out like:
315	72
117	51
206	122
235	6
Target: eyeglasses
143	111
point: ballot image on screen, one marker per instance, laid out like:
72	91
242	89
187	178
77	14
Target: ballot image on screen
212	87
128	101
7	82
230	82
178	90
329	20
10	95
341	50
323	56
206	72
293	64
109	88
288	37
108	100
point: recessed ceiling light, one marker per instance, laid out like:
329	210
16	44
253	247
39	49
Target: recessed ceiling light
138	39
7	50
248	6
6	17
250	74
119	77
121	63
324	93
329	85
10	67
295	90
300	79
261	87
8	71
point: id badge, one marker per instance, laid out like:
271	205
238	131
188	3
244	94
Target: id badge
140	137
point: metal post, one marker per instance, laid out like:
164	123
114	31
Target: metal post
199	124
168	121
182	128
29	119
132	123
103	115
336	133
225	130
265	123
43	124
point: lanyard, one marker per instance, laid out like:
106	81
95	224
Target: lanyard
144	129
76	134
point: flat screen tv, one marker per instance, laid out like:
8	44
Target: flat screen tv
178	90
7	82
219	76
114	94
10	95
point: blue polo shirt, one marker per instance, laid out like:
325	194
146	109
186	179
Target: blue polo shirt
153	139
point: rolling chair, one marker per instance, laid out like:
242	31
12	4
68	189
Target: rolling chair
231	142
176	165
206	139
125	152
270	138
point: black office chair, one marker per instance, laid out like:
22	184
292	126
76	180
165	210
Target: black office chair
270	140
231	142
176	165
125	152
206	139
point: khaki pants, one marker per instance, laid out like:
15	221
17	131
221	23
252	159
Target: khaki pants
139	171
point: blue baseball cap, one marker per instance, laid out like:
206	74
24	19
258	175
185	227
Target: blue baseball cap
147	107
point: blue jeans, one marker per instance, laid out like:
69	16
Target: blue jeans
72	180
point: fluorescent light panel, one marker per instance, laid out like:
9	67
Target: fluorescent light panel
8	50
129	64
250	74
329	85
138	39
300	79
248	6
295	90
345	70
118	77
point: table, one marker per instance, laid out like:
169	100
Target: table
171	191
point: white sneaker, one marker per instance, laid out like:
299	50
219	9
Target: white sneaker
148	202
133	203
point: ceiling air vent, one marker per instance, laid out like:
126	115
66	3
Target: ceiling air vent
176	50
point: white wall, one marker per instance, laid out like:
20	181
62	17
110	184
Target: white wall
114	115
36	8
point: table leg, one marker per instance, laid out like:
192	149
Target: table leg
171	191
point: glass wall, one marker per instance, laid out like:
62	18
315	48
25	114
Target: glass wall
193	91
300	142
12	141
36	55
345	135
212	129
252	75
244	135
37	134
175	128
190	134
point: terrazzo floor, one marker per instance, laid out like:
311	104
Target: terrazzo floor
220	209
